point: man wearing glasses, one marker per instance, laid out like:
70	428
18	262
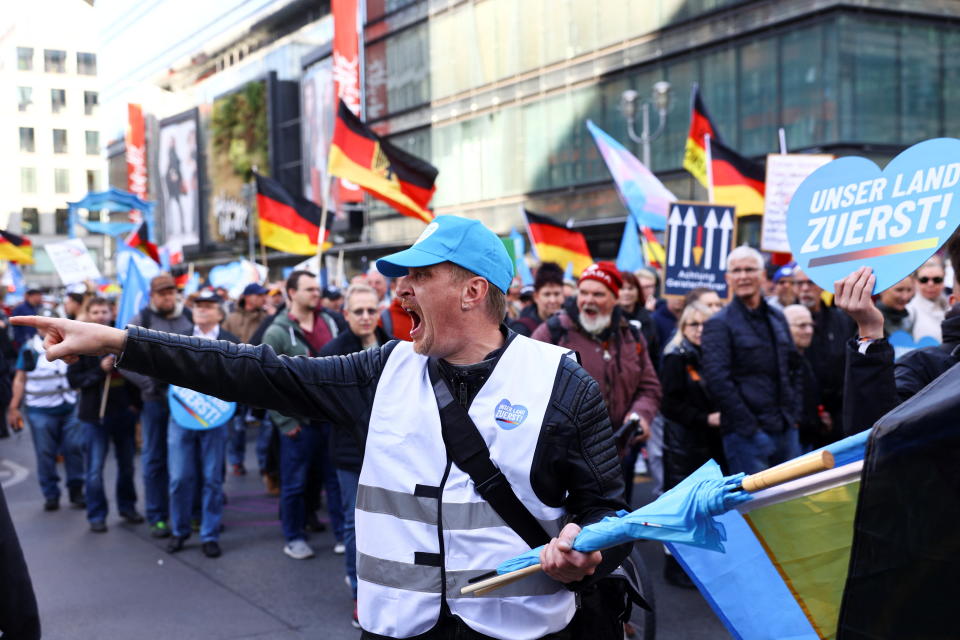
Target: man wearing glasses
747	350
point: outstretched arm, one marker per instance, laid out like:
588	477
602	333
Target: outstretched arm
338	388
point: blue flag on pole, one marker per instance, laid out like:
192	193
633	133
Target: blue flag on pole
630	256
644	196
135	294
520	250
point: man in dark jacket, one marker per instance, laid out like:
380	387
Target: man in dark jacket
32	301
302	331
360	305
746	363
163	313
117	423
552	445
614	353
18	605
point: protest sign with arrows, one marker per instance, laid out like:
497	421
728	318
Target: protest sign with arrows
699	237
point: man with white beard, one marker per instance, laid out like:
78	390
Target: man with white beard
612	351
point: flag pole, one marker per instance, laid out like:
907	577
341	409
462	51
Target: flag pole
706	148
323	224
782	134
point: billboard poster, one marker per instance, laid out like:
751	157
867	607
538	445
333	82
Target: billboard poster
239	141
179	189
346	75
319	112
699	237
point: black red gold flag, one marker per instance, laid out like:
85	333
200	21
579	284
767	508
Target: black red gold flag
287	222
382	169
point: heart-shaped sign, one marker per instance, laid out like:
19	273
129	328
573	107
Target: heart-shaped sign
849	214
509	416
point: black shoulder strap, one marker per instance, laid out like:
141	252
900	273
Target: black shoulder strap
467	449
146	317
387	320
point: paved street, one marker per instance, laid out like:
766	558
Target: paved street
123	584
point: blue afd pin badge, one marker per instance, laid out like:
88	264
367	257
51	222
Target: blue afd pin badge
849	213
509	416
194	410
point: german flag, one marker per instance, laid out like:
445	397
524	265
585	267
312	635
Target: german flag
15	248
737	181
287	222
383	170
139	238
553	242
695	154
653	251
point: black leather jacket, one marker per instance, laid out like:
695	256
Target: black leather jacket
575	464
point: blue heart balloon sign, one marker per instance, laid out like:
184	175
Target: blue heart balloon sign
849	213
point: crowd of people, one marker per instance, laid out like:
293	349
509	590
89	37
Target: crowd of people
750	381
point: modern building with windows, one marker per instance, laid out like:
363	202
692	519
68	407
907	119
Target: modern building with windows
50	134
495	93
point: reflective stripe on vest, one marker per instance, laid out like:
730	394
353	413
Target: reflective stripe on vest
405	562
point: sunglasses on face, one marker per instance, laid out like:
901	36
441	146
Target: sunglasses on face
695	325
926	279
361	312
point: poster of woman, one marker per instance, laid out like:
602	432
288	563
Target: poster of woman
179	179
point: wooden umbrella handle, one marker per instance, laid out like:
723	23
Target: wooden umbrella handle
485	586
796	468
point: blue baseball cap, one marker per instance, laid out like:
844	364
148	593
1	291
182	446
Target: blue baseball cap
462	241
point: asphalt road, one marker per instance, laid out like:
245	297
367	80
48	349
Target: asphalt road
123	584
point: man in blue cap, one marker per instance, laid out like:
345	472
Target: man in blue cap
425	526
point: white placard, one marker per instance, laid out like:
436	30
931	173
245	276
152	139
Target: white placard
72	261
785	172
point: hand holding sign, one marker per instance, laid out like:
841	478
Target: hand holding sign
848	214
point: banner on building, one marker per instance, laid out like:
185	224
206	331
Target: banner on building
699	237
72	261
849	214
347	74
785	172
180	185
136	154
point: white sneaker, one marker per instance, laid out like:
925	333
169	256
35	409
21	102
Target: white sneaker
298	550
339	548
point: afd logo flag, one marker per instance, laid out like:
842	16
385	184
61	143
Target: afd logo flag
850	214
645	197
136	293
699	237
198	411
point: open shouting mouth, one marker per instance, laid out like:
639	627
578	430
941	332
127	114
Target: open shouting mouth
416	329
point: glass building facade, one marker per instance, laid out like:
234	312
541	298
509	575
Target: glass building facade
495	93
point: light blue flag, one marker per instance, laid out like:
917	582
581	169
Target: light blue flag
520	250
192	286
568	273
630	256
642	193
135	294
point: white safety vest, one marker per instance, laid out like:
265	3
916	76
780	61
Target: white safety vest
46	386
408	486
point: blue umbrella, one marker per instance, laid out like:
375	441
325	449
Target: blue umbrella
683	514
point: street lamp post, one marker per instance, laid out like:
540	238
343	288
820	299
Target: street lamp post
660	99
